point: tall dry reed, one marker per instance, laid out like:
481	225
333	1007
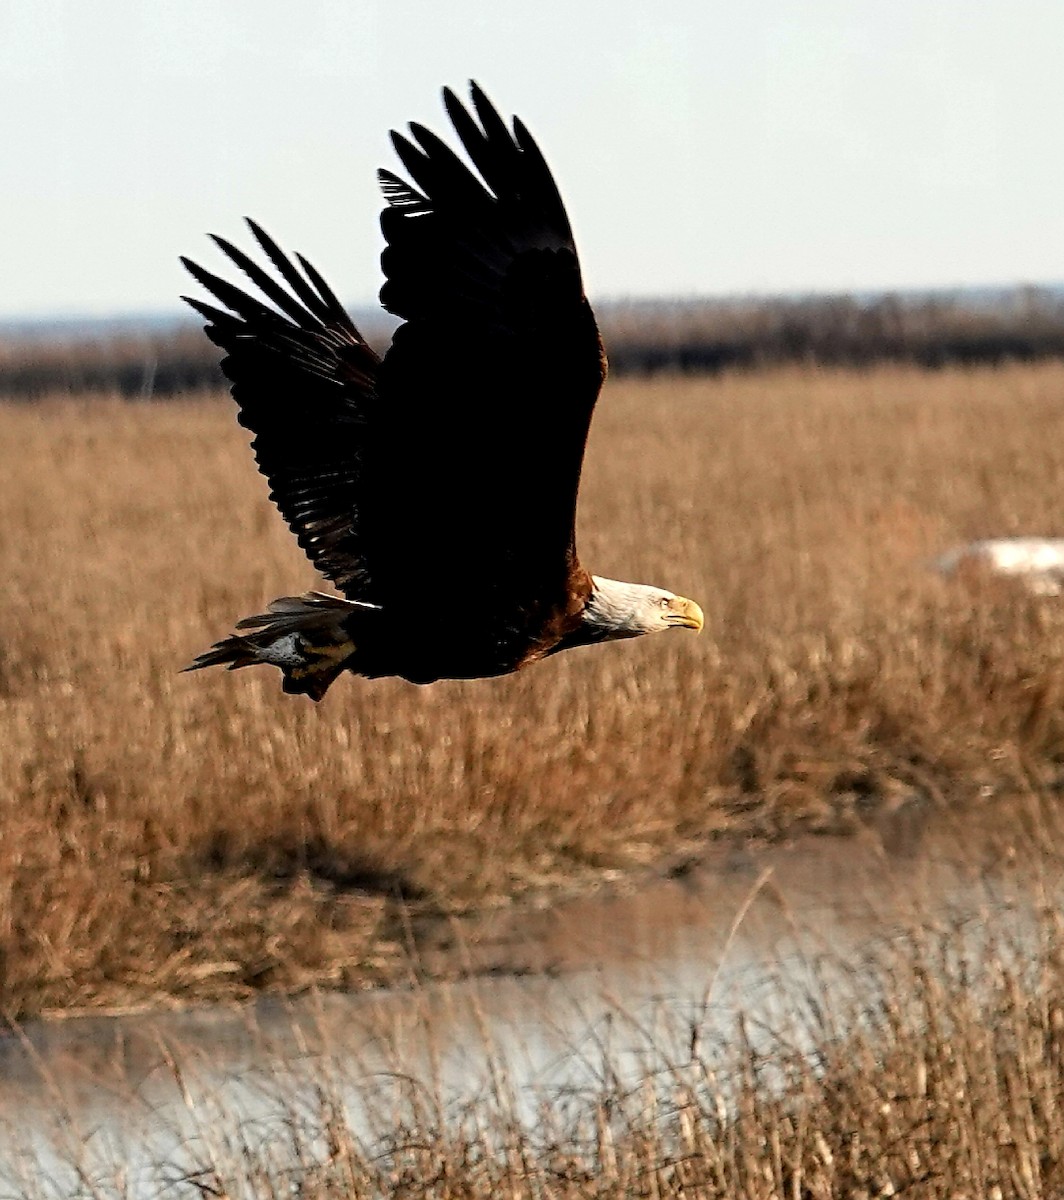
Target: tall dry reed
170	836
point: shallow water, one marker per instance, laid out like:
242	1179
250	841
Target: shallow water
613	985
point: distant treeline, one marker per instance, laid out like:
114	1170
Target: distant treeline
929	330
642	338
131	365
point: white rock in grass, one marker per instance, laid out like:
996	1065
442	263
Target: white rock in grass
1035	563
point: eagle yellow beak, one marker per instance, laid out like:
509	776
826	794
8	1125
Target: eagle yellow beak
685	614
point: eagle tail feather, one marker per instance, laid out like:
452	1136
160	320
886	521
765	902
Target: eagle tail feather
307	637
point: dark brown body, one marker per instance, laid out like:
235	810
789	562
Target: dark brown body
453	644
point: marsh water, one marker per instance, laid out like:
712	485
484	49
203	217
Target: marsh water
554	1001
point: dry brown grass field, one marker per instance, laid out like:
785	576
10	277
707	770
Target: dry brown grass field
931	1068
174	837
947	1086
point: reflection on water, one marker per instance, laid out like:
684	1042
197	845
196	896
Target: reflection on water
621	983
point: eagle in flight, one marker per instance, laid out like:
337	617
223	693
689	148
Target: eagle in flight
434	487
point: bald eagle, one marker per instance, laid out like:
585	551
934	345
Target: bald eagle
435	487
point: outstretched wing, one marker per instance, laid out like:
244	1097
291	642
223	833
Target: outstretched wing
305	381
457	459
488	388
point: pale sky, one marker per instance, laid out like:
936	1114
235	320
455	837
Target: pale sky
703	147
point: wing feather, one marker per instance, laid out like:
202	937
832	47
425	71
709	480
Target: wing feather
269	288
305	383
321	305
495	372
458	458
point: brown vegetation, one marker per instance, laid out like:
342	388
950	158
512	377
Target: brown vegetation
947	1083
174	837
939	1075
925	329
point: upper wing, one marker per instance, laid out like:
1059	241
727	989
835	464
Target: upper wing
305	381
458	457
488	388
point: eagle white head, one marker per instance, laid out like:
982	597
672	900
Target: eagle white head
626	610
